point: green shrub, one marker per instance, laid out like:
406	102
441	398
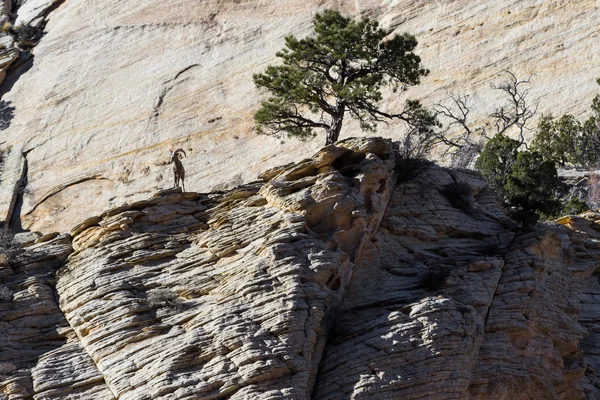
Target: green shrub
530	188
164	298
459	195
568	141
434	278
574	206
26	36
558	139
526	182
496	160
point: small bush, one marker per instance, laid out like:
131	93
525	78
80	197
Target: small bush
567	140
526	182
574	207
7	27
407	169
6	295
26	36
459	195
531	187
434	278
164	298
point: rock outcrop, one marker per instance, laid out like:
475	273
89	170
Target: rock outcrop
346	275
40	354
116	84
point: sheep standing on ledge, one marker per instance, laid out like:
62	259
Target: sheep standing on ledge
178	170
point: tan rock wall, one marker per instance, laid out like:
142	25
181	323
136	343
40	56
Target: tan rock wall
116	84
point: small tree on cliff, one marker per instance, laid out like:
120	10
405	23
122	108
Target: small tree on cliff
341	69
526	182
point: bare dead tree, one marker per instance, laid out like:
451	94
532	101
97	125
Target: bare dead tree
465	142
516	112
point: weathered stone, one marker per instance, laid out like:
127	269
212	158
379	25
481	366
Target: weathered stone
39	354
324	280
32	12
26	238
240	305
47	237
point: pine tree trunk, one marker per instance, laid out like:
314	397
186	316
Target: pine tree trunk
333	133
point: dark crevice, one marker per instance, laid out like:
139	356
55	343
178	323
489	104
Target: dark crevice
494	296
7	113
348	163
49	10
169	85
63	187
331	327
16	204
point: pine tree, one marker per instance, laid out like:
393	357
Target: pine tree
339	71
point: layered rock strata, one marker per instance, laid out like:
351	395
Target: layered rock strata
225	295
451	301
351	274
40	354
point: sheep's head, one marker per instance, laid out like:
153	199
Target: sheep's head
176	154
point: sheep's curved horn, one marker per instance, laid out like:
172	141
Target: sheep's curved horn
179	151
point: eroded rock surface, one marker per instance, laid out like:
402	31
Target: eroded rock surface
206	296
415	312
324	279
456	303
40	355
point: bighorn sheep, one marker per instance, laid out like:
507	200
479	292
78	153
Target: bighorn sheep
178	170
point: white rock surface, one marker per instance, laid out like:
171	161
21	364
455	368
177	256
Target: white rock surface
40	355
32	12
116	84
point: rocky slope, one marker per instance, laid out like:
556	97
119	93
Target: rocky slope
114	85
346	275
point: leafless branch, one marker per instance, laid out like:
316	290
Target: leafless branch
516	112
463	141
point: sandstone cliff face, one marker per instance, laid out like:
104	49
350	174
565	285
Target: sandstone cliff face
114	85
324	279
